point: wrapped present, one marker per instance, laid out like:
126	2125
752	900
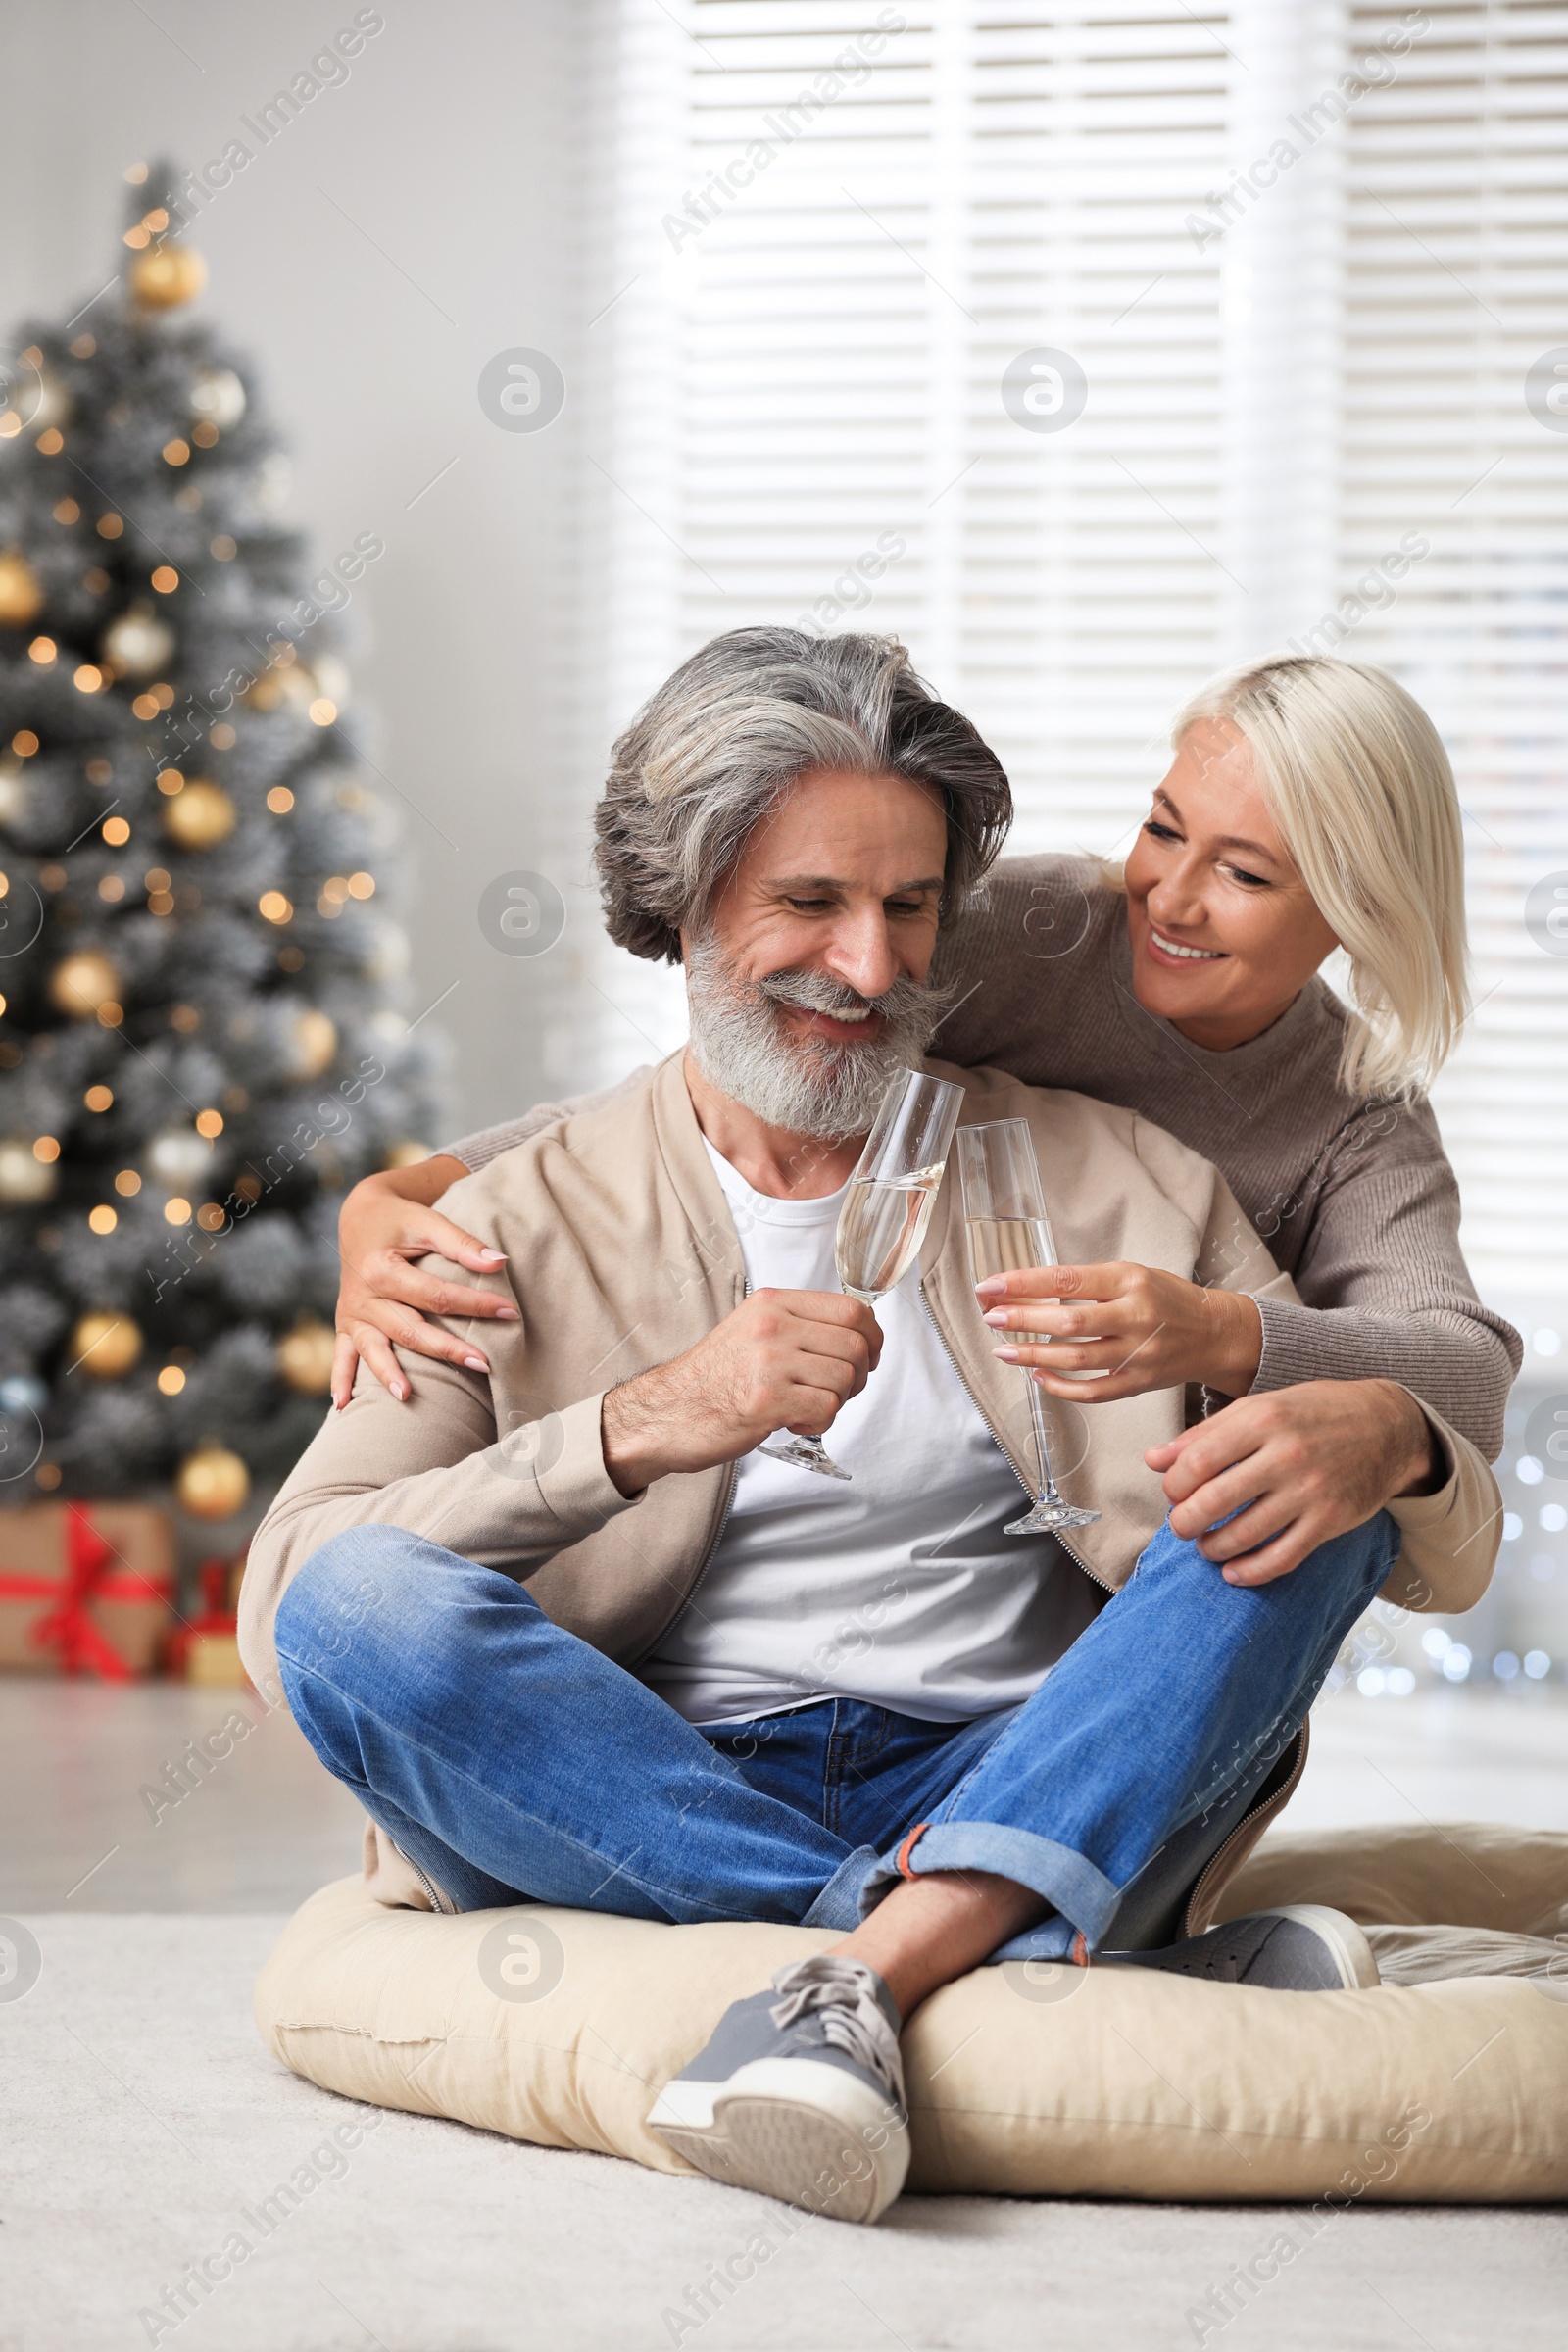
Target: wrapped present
206	1649
85	1587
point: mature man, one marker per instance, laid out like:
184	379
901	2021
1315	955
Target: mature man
706	1685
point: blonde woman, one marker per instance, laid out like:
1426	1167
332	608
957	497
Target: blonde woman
1309	806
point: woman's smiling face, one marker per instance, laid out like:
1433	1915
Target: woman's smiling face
1224	932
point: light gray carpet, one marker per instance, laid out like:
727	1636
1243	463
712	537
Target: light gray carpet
146	2124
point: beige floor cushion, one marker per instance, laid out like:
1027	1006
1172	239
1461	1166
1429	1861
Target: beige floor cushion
559	2026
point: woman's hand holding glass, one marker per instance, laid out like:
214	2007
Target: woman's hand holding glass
1120	1330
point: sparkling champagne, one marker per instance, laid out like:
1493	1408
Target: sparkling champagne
1004	1245
880	1229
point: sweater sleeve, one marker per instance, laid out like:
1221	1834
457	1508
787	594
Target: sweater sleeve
478	1151
436	1467
1386	1290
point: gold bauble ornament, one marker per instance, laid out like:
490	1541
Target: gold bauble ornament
200	816
105	1347
24	1178
80	983
305	1356
165	276
179	1159
213	1483
312	1045
137	644
218	397
49	403
21	591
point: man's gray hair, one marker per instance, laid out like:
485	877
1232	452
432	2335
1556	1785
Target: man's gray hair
721	741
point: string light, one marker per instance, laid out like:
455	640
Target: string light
128	1183
117	831
99	1098
166	579
102	1219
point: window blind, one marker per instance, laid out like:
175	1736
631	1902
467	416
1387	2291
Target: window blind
1456	285
1020	333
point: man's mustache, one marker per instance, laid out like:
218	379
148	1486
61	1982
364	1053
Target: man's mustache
820	992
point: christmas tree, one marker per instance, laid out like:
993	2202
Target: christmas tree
201	1040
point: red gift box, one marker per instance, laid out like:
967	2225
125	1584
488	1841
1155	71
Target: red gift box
86	1588
207	1649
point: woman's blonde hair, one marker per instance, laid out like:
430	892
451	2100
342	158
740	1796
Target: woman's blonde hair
1359	785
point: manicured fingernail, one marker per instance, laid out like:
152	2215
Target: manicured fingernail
1006	1355
400	1390
992	1287
505	1314
476	1364
998	1316
494	1256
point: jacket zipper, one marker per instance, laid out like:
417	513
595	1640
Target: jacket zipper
1076	1557
438	1902
1265	1804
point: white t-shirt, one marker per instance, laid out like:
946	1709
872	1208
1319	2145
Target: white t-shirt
900	1587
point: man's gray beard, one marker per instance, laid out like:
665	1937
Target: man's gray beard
813	1085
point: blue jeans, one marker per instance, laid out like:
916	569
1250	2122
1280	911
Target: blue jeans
512	1762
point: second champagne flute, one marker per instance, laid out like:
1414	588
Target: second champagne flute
1005	1224
886	1212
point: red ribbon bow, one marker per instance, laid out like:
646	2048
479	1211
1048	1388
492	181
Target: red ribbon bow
81	1644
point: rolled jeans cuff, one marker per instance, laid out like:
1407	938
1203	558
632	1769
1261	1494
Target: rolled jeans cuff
838	1905
1072	1886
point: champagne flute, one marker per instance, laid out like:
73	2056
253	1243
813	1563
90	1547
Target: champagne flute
886	1212
1006	1228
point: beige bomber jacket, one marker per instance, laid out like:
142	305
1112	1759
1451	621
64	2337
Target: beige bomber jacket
621	1253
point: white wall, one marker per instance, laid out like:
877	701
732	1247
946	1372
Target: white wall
451	147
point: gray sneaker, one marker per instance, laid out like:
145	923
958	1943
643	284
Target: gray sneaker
799	2094
1300	1947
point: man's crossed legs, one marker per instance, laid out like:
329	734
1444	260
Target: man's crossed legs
508	1760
